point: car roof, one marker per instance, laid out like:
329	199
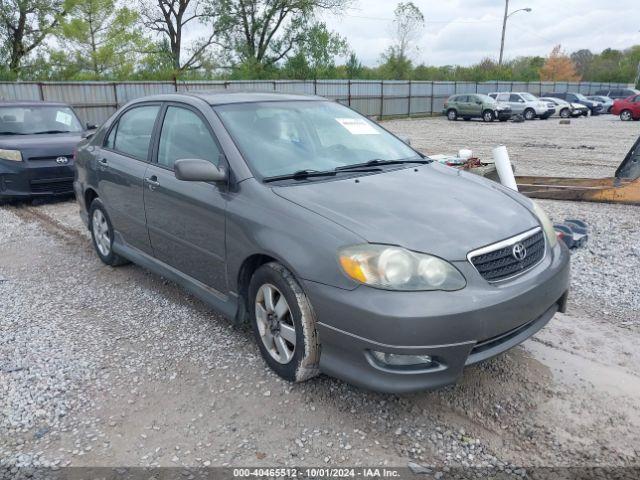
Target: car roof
224	98
31	103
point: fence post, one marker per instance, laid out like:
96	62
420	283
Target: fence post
381	97
315	86
115	95
409	101
431	100
40	91
349	92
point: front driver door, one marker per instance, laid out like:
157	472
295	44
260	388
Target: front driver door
186	220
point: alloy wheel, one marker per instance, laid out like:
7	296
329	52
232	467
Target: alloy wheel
101	232
275	323
625	116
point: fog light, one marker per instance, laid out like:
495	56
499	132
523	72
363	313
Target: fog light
396	360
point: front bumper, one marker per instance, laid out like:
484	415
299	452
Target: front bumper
454	328
546	113
35	179
504	114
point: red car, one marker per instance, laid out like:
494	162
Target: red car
628	108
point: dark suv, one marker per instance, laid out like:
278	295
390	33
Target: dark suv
596	108
617	93
36	149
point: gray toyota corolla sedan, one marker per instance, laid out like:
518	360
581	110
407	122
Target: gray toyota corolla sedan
349	252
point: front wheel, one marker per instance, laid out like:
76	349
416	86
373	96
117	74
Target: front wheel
625	115
565	113
283	323
488	116
452	115
529	114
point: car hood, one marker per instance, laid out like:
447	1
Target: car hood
432	208
45	145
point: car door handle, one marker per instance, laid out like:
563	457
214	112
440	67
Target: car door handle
103	163
152	182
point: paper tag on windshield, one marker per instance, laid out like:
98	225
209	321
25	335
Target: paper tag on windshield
357	126
63	117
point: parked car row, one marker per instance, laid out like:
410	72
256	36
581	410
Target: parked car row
504	105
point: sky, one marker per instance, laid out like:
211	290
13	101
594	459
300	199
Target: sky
462	32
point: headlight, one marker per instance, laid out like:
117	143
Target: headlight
14	155
395	268
552	238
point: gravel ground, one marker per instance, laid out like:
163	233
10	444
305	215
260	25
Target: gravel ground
118	367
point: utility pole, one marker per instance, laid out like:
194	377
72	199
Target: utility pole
504	29
504	25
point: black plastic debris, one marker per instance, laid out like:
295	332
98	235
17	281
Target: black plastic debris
574	233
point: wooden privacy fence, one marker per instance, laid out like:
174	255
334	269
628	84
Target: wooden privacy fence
96	101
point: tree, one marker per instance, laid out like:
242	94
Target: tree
559	67
170	17
353	66
582	59
407	25
320	47
257	34
99	40
24	25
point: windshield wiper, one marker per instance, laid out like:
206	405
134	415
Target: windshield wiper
300	174
376	162
50	131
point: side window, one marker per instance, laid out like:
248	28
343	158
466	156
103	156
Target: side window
515	98
463	98
132	134
503	97
110	142
184	135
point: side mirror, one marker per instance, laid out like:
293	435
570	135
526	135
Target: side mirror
406	140
197	170
91	126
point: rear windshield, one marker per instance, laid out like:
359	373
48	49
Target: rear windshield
20	120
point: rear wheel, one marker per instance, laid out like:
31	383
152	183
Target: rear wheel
452	115
102	234
488	116
529	114
565	113
625	115
283	323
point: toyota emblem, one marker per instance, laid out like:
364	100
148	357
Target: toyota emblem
519	252
62	160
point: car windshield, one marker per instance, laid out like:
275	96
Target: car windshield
579	96
528	97
281	138
26	120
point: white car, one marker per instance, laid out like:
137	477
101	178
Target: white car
526	104
566	109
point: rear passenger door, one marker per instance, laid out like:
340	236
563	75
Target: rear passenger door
121	164
186	220
463	102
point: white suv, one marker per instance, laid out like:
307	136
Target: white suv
526	104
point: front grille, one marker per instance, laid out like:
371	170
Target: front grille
498	262
52	186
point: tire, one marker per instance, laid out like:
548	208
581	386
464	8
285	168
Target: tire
452	114
488	116
294	356
529	114
625	115
102	234
565	113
